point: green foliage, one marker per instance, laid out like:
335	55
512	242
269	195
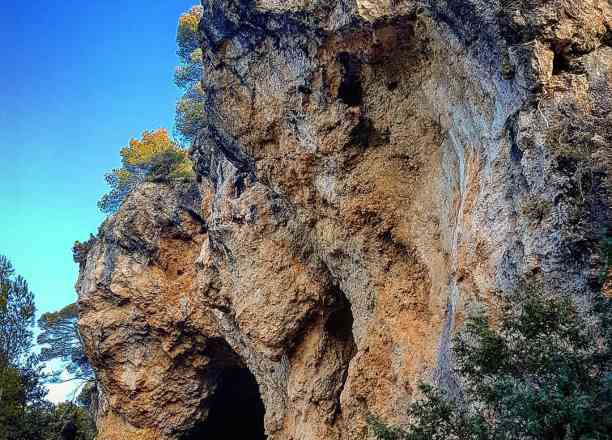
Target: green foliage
189	72
542	373
187	38
190	108
170	165
87	397
11	398
60	339
71	422
155	157
16	316
189	118
24	412
384	432
21	389
507	69
65	421
21	376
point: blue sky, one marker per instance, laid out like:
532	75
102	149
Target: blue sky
78	80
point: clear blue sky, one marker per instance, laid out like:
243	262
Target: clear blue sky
78	80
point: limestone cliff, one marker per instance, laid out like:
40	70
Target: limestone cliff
369	170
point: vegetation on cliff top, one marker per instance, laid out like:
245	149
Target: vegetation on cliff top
543	371
190	108
155	157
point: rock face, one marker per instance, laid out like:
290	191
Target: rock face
368	172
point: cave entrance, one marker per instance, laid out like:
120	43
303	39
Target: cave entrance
237	411
236	408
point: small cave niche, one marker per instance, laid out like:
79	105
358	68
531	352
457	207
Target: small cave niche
236	408
350	91
561	63
239	185
340	342
339	325
365	135
392	86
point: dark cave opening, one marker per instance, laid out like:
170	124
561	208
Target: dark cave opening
561	63
236	409
339	329
339	325
350	91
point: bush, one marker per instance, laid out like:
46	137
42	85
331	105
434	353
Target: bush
384	432
170	165
12	399
544	372
154	158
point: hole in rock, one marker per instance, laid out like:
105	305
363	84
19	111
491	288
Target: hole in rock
607	38
350	91
339	328
236	408
304	90
561	63
361	134
392	86
339	325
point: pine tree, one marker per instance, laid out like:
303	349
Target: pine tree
188	75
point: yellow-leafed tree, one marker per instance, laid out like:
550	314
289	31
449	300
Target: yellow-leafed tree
155	157
140	152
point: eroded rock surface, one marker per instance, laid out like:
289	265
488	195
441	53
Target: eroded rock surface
369	171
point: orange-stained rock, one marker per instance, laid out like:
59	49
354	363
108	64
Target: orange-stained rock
369	172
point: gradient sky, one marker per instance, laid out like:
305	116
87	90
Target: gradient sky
78	80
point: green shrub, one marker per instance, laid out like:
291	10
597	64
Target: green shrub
544	372
169	165
382	431
12	400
